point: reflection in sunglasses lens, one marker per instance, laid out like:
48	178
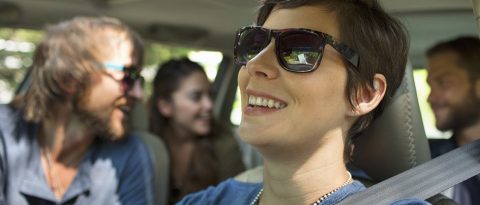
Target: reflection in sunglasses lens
252	41
299	50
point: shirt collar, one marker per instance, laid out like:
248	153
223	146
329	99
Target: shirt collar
34	182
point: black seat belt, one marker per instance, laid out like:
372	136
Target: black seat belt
425	180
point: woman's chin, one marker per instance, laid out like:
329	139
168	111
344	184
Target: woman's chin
202	131
251	137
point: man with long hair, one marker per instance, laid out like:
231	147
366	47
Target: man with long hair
64	139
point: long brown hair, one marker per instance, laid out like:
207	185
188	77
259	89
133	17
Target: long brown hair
64	61
204	165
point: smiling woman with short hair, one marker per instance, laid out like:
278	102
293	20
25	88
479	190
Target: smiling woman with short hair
314	74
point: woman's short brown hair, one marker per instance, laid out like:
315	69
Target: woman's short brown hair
380	41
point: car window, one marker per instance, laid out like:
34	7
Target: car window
17	46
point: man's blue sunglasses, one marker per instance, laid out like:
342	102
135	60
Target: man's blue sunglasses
132	73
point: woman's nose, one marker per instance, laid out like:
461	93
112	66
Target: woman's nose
207	103
264	64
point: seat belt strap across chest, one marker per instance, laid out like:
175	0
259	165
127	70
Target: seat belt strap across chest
425	180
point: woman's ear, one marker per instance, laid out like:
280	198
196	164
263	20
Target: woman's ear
368	98
165	107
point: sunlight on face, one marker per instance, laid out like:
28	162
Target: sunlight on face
106	107
192	104
315	102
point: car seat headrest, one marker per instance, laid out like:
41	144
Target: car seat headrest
396	140
138	119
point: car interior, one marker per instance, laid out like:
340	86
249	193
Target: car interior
395	142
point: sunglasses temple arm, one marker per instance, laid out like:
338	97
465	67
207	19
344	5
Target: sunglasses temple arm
348	53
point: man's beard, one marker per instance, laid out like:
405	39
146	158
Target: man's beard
463	115
99	123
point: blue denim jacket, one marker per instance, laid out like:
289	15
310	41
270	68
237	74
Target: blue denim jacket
232	192
118	172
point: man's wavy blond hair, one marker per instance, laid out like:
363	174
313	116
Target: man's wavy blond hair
65	59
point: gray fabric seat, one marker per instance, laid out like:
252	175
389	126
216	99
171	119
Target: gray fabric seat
158	152
395	141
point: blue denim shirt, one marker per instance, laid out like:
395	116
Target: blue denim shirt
232	192
112	172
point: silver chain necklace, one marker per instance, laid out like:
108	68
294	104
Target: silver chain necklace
320	200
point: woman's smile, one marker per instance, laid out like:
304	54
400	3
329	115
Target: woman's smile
260	103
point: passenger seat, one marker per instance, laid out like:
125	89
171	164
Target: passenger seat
138	124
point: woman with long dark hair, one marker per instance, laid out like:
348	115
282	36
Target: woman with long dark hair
201	152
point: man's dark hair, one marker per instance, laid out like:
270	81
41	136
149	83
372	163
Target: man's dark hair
468	50
380	41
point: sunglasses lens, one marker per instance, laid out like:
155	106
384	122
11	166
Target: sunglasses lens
131	75
128	82
250	42
300	50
